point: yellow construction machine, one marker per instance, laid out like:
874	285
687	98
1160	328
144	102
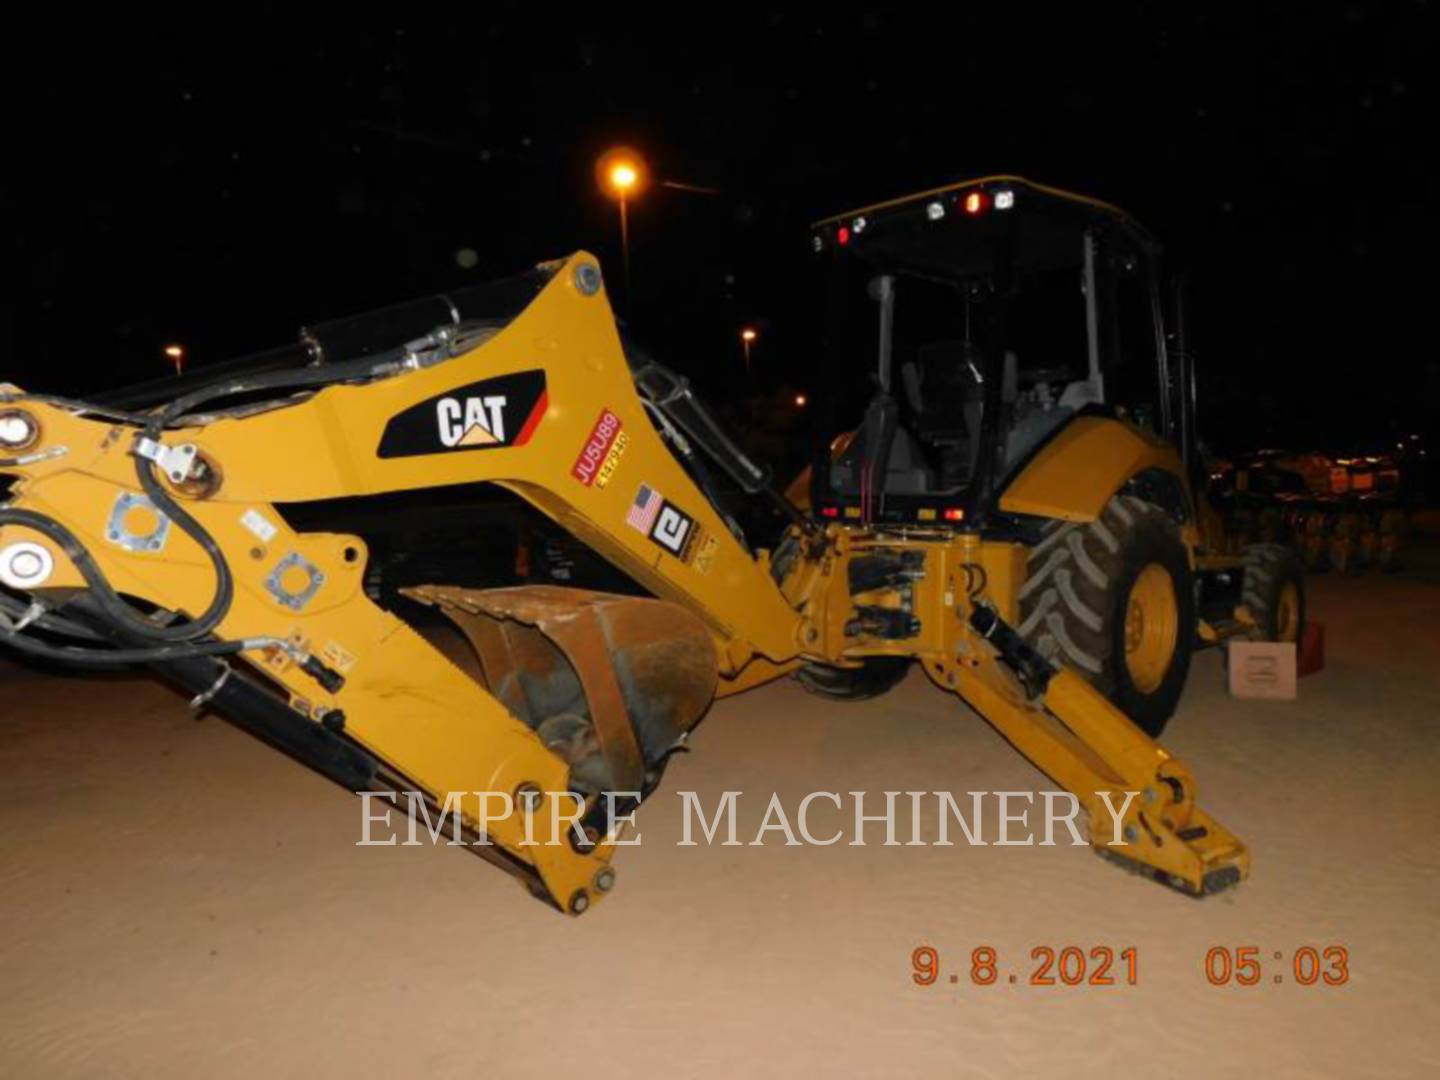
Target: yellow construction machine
1020	521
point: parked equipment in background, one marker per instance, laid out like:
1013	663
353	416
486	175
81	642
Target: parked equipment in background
1345	514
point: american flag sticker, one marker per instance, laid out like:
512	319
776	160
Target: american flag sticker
643	510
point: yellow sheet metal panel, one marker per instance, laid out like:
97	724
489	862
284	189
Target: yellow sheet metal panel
1076	473
1005	571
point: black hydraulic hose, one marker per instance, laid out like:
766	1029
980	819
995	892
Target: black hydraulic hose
154	421
103	657
224	583
370	367
73	405
109	601
114	606
17	610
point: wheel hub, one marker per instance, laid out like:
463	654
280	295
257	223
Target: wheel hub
1287	613
1151	627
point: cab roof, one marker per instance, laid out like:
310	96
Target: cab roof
968	227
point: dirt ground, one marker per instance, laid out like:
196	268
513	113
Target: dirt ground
178	900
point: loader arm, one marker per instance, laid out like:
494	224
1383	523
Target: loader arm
582	693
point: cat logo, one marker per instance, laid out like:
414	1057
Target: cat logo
488	415
475	422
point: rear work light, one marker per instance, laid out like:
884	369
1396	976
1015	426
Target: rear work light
1004	200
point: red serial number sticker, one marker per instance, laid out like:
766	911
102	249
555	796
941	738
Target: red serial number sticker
601	451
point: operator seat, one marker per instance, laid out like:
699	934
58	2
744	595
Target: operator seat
881	435
945	389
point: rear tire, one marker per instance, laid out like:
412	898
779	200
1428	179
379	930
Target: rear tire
1114	599
875	676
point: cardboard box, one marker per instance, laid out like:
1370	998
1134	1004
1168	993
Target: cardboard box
1262	669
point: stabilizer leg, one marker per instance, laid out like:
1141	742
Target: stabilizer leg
1077	737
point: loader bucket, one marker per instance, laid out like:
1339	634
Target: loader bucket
610	683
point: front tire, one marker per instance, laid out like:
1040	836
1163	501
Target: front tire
875	676
1115	600
1274	591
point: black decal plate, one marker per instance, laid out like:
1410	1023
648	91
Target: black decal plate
487	415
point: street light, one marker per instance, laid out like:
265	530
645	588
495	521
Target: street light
176	353
621	173
747	338
623	177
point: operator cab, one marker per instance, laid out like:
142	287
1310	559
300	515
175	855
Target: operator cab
990	313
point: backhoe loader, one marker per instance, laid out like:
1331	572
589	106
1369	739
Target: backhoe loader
1021	524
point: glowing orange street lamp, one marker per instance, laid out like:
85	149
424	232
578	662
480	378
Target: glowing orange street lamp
621	173
800	400
623	177
747	338
176	354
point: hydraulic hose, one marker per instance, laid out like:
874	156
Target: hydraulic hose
102	657
115	609
224	582
73	405
370	367
54	624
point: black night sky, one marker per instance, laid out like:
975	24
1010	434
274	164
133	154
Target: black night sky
222	178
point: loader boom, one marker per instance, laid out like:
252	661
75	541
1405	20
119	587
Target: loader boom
183	511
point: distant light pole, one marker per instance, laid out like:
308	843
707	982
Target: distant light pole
621	173
176	353
747	338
